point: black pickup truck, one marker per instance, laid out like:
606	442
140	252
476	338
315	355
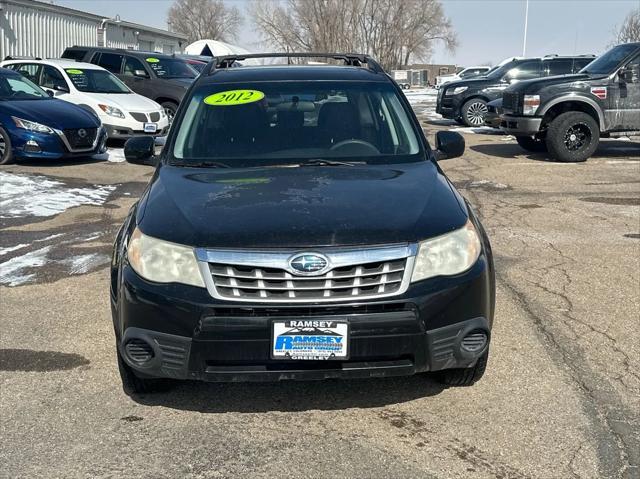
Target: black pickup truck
567	115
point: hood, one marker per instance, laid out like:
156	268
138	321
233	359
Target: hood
473	83
180	82
126	101
51	112
536	84
299	207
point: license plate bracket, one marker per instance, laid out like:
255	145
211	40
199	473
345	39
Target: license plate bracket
310	339
150	127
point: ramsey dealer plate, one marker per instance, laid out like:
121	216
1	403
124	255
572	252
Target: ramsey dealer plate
310	339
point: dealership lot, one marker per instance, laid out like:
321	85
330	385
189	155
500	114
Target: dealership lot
560	398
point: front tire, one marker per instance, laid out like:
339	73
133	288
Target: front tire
132	384
464	376
572	137
535	145
6	152
170	109
474	111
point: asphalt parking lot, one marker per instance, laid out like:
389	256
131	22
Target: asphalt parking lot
561	397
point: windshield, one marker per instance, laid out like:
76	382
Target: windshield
96	81
171	68
609	61
16	87
289	122
501	70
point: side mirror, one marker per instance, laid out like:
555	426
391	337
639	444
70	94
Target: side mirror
50	93
139	150
140	73
626	75
449	144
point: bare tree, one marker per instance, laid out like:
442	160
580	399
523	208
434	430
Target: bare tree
204	19
393	31
629	31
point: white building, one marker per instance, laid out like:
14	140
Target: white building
37	29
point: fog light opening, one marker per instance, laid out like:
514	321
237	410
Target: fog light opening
474	341
32	146
139	351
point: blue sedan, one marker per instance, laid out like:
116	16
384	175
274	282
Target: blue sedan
34	125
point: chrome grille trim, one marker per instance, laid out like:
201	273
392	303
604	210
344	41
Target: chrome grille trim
259	276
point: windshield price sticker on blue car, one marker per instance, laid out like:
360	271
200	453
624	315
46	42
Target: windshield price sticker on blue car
234	97
310	340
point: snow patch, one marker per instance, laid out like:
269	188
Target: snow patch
24	195
9	249
14	271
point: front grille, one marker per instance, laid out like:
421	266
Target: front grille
154	116
141	117
77	139
512	101
355	281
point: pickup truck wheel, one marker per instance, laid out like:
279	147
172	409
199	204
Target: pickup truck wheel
170	109
132	384
528	143
474	111
572	137
464	376
6	155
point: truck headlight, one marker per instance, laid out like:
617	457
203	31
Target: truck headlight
531	104
163	262
112	111
457	90
447	255
32	126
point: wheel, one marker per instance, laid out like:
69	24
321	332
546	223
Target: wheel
6	154
572	137
473	112
464	376
132	384
529	143
170	109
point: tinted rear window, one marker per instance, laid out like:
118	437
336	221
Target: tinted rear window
77	55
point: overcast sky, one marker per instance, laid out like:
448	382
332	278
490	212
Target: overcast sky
488	30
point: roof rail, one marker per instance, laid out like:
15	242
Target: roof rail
351	59
9	57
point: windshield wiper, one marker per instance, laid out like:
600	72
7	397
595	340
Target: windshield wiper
201	164
321	162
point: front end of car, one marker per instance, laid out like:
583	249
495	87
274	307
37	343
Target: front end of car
230	315
451	97
31	139
519	112
121	123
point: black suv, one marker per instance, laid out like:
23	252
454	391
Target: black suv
163	78
567	115
298	226
466	100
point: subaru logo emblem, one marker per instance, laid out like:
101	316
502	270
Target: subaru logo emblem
309	264
82	132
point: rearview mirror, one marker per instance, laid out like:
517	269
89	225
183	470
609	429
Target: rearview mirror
61	89
139	150
449	144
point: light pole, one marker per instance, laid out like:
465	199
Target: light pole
526	22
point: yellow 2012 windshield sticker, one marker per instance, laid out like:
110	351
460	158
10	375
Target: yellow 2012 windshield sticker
152	60
234	97
75	72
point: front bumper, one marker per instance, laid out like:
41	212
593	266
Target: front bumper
31	145
520	125
194	336
123	132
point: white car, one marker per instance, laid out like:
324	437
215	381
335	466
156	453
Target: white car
123	113
469	72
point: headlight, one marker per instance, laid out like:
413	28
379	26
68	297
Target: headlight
112	111
457	90
531	104
163	262
32	126
449	254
